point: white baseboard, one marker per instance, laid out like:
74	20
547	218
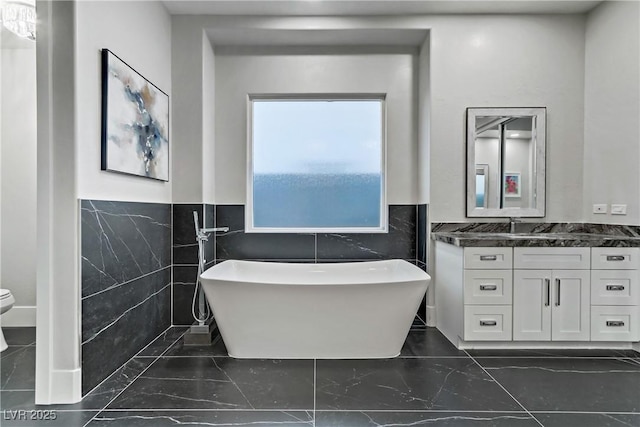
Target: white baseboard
431	315
66	387
20	315
547	345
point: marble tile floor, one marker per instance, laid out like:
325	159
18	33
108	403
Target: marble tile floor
430	384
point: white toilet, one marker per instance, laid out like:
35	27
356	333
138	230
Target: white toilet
6	302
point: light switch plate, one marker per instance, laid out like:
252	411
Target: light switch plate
618	209
600	209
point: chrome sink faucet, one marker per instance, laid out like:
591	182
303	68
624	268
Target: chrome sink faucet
512	224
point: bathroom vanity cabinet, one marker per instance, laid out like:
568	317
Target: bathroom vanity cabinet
537	296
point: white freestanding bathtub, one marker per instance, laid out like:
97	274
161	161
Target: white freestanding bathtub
357	310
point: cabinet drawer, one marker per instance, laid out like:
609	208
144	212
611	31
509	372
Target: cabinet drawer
614	323
615	258
488	258
488	287
487	323
552	258
614	287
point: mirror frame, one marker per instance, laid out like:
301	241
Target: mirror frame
538	210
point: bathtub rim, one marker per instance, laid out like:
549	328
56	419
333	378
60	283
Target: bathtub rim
411	273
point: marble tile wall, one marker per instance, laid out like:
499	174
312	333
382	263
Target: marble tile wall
126	282
140	263
422	254
399	242
421	236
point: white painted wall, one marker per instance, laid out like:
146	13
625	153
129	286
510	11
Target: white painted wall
612	111
139	32
507	61
208	121
424	121
187	110
1	65
18	171
238	75
499	61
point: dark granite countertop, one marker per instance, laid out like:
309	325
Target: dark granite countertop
491	239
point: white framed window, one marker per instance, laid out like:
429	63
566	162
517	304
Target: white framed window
316	163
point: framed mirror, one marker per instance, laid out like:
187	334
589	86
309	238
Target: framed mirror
506	162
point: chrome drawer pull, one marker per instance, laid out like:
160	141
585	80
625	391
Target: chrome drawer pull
615	257
488	323
488	257
615	287
615	323
488	287
548	300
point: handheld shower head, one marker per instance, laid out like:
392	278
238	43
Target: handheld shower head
195	221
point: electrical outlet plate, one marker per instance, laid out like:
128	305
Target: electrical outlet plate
618	209
600	209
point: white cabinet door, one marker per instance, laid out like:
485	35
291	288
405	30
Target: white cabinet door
532	305
570	317
551	305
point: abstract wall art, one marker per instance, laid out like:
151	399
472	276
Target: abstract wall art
135	122
512	184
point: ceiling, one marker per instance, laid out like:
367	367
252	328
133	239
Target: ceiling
339	7
374	7
321	38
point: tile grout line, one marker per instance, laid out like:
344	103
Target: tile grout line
215	236
171	256
315	247
503	388
137	376
585	412
223	356
226	356
130	359
315	385
118	285
557	357
155	339
415	231
381	411
155	294
398	357
9	347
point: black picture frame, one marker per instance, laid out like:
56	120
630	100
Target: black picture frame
135	122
